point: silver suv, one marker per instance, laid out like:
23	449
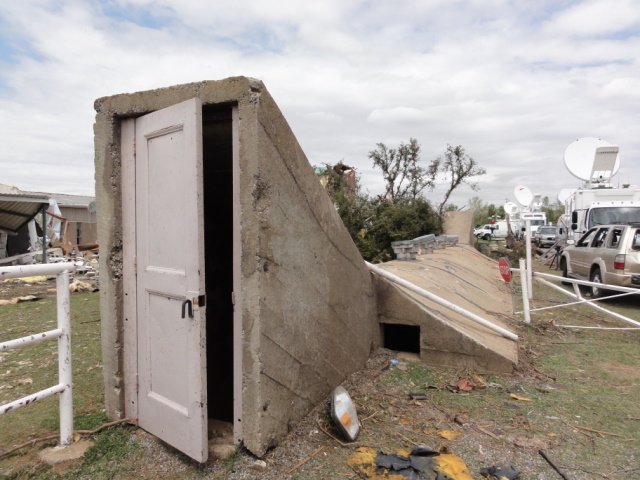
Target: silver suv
545	236
607	254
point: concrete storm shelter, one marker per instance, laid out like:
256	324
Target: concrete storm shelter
230	289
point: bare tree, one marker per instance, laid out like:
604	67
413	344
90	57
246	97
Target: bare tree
404	178
458	167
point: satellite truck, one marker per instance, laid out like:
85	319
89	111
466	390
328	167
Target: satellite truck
529	210
595	162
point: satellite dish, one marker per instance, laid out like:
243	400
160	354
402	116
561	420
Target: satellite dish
581	158
536	199
565	193
523	195
510	208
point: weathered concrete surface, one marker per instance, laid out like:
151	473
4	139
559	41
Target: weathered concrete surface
466	278
308	302
61	455
310	299
461	224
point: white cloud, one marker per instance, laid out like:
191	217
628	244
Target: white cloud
597	17
397	116
513	82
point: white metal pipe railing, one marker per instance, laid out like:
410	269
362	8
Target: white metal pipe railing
441	301
31	339
29	399
587	283
588	302
575	283
62	333
34	270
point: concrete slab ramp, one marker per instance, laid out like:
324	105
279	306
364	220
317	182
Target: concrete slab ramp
468	279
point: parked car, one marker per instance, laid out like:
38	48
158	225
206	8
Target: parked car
607	254
545	236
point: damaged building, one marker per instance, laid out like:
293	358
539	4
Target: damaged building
67	221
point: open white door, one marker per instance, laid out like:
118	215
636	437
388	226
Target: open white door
172	395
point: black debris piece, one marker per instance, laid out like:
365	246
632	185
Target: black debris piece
500	472
423	451
419	465
393	462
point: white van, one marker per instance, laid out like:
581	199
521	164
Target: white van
491	231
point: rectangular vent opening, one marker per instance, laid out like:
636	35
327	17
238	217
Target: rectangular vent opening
401	338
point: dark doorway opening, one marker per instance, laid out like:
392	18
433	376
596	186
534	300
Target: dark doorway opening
401	338
217	155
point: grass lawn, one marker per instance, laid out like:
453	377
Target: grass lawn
575	396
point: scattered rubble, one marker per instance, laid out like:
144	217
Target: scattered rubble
408	249
422	463
27	289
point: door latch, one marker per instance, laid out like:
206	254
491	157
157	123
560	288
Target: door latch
187	303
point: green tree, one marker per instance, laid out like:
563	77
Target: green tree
393	221
483	212
552	210
479	208
402	213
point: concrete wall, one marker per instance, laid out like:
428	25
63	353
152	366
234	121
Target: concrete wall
314	318
461	224
308	308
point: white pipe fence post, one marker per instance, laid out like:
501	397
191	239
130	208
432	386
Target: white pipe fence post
64	359
524	275
529	277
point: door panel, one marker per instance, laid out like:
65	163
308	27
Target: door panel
170	270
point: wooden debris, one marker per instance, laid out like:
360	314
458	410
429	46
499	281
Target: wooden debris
293	469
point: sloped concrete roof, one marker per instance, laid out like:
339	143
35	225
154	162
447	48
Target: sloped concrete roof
470	280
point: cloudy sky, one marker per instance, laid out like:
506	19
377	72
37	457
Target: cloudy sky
512	81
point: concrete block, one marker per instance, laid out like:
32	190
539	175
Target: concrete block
61	455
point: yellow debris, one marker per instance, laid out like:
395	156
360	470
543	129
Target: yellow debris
37	279
453	466
522	399
78	286
449	434
363	463
13	301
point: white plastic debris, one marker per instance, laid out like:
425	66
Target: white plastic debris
343	412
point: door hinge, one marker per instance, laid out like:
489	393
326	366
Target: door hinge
135	265
233	298
137	380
